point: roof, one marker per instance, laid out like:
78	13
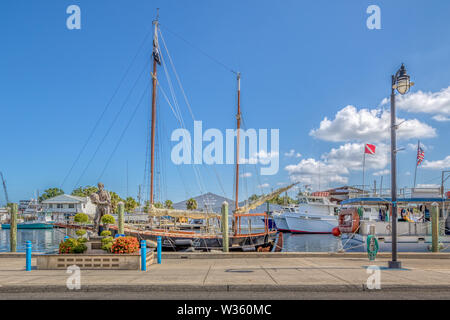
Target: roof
387	200
66	198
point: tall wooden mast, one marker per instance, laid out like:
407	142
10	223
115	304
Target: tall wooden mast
238	126
155	56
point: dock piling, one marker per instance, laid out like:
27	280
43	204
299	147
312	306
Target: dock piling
159	248
13	228
435	227
120	216
28	249
225	242
143	255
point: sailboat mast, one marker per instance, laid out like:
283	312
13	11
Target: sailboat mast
238	126
153	125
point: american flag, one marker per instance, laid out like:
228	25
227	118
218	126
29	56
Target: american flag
420	155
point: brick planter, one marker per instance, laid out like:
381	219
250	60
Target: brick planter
93	261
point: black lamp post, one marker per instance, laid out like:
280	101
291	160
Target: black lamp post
402	84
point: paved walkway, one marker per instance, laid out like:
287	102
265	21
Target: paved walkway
238	274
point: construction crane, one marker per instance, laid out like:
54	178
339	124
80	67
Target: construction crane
4	189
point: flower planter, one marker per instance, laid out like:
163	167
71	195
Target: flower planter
93	261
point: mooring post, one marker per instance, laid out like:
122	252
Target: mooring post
120	216
225	244
28	249
435	227
13	227
143	255
159	248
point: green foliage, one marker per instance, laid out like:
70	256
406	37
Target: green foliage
115	199
158	205
107	243
191	204
108	219
107	239
105	233
82	240
72	246
107	246
82	218
130	204
168	204
50	193
80	232
84	192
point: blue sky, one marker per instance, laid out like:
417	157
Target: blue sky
301	62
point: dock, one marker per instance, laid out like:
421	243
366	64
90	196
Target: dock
239	275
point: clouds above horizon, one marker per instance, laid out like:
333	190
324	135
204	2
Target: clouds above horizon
368	125
336	165
437	164
435	103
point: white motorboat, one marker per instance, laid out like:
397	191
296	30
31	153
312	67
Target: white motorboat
313	214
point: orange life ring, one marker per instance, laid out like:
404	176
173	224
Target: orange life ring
348	221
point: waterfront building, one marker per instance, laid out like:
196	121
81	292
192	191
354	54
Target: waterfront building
65	205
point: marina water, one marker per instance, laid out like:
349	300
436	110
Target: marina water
47	240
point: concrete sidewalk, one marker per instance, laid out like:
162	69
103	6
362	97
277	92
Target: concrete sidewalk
324	274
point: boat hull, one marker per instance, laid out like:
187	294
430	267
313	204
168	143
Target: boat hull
29	226
308	224
280	223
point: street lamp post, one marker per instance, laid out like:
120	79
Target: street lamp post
402	84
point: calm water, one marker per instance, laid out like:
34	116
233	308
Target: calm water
43	240
47	240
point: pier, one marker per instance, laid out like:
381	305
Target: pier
238	275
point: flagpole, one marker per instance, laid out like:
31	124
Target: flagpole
364	166
415	171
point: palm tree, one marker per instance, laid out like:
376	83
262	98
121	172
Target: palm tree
191	204
168	204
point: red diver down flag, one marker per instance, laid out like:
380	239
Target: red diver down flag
369	148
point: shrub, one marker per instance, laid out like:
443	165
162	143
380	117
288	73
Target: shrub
80	232
107	239
105	233
125	245
72	246
107	246
108	219
82	218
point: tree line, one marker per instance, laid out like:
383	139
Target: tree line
130	203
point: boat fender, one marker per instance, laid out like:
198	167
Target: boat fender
183	243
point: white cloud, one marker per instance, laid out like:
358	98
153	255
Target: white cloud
292	153
315	172
350	155
413	146
438	164
264	185
262	157
382	172
437	103
351	124
246	175
441	118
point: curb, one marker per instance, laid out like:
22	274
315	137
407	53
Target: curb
218	288
263	255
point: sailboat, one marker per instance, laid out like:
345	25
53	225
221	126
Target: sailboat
209	237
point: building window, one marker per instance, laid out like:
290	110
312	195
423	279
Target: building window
71	206
59	206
